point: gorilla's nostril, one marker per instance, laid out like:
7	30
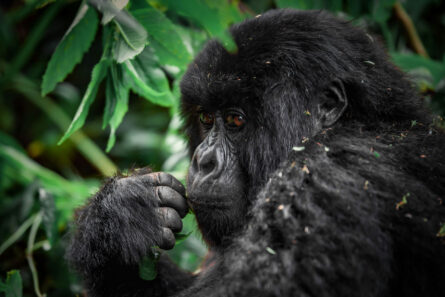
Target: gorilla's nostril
207	167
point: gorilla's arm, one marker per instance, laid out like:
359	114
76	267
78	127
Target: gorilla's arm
118	227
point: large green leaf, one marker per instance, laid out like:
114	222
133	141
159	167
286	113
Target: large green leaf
68	194
148	80
70	50
98	74
130	41
164	32
166	58
147	268
132	36
409	62
214	16
117	91
12	287
307	4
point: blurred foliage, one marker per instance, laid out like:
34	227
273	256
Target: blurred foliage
69	69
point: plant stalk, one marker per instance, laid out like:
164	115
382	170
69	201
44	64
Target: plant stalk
87	147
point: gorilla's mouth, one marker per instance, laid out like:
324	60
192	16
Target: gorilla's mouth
214	194
214	201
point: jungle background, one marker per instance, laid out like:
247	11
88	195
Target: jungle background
88	88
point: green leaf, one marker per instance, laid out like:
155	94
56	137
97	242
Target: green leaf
165	56
382	10
117	92
12	287
294	4
110	101
131	38
130	41
48	208
70	50
68	194
146	76
410	62
180	237
98	74
147	268
214	16
163	31
192	38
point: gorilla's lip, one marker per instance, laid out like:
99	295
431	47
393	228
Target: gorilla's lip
214	202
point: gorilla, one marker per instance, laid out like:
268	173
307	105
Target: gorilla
315	171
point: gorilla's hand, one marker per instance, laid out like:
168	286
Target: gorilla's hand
163	195
127	217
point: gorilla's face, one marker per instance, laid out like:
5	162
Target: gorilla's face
216	181
215	163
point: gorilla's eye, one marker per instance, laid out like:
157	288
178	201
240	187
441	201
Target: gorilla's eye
235	120
206	118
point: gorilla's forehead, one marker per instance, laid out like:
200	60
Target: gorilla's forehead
275	48
214	90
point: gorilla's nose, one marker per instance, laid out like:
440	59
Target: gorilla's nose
207	162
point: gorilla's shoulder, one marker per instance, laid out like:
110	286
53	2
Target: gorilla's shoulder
298	222
398	172
362	161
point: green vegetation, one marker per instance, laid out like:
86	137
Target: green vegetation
71	69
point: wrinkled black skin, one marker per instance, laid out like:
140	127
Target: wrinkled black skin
318	222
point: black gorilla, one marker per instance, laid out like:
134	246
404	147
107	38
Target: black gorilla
315	172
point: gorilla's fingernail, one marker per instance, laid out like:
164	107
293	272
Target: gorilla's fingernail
168	239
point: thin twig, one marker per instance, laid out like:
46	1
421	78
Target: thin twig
17	234
29	249
413	36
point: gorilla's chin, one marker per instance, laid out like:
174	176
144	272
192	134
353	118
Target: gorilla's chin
215	200
216	220
217	192
216	205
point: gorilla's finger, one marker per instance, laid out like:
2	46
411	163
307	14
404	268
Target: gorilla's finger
169	180
164	179
170	218
168	239
170	198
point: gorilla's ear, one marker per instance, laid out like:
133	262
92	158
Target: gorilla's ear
332	104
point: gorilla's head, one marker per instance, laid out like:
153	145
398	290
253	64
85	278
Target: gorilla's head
294	74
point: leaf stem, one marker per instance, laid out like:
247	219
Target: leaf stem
29	250
17	234
19	14
31	41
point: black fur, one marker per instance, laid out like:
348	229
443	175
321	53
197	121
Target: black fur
323	221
